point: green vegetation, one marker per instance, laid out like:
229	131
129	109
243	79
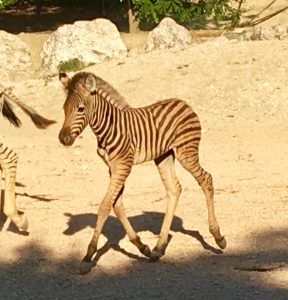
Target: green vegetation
73	64
6	3
227	11
220	11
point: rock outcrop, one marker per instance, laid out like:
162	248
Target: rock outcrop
88	42
168	35
258	33
14	57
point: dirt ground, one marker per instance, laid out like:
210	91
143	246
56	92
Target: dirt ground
239	90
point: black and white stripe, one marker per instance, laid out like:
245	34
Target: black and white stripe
128	136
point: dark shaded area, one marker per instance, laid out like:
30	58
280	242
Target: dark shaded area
39	275
152	222
114	231
25	17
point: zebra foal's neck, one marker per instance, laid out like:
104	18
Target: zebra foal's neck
106	115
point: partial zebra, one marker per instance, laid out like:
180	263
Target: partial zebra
8	158
128	136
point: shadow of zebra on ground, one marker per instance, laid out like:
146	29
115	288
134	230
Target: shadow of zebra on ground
114	232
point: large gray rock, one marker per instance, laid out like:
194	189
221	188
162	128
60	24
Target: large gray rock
281	32
168	35
257	34
90	42
14	57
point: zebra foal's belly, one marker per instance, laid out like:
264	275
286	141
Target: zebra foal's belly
141	156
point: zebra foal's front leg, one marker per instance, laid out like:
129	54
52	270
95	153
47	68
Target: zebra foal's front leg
8	161
119	173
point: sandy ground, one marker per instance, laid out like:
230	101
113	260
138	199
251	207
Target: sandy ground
239	90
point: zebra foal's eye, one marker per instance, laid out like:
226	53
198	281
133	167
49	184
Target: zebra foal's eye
81	109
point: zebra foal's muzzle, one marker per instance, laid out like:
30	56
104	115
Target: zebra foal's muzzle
65	137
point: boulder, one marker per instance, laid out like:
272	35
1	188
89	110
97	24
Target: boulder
281	32
87	42
168	35
257	34
14	57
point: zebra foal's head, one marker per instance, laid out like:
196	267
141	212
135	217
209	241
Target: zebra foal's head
79	89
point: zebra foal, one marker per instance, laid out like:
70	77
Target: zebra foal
9	159
127	136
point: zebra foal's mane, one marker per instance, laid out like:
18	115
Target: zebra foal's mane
113	96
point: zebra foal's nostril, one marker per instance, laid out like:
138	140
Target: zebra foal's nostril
66	139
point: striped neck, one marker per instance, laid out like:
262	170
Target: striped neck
105	114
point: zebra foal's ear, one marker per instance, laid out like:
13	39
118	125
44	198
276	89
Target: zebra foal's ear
64	78
90	83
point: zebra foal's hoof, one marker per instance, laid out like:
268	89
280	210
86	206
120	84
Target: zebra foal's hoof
222	243
22	223
146	251
155	255
85	267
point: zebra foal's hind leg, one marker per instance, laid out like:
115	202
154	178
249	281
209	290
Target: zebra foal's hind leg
166	169
189	159
8	161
